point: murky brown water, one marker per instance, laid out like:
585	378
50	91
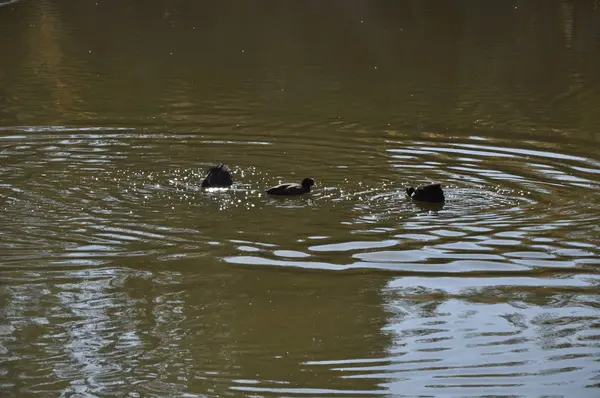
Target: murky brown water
120	276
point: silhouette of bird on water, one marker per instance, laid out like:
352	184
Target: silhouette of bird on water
291	188
431	193
218	176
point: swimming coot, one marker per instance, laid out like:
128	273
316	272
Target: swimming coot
218	176
427	193
292	189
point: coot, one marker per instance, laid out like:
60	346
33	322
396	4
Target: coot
292	189
218	176
427	193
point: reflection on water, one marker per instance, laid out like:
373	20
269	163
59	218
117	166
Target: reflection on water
122	276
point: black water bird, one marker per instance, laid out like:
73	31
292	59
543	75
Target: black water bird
292	189
431	193
218	176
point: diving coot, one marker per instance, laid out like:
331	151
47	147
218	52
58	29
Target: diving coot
292	189
427	193
218	176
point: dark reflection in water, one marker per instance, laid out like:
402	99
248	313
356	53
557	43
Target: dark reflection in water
121	276
414	64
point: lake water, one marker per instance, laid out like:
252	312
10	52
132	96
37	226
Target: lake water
121	276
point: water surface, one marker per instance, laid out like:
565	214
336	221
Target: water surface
121	276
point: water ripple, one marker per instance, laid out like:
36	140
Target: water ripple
514	249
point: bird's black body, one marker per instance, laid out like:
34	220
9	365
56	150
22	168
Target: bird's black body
431	193
218	176
292	189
